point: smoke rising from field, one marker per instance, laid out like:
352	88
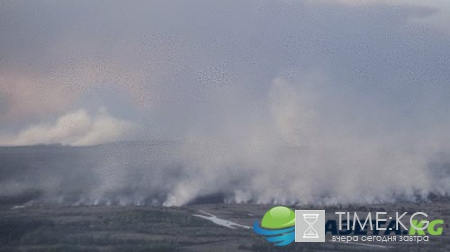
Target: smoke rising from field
298	156
290	154
323	102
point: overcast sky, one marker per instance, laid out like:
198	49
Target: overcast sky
88	72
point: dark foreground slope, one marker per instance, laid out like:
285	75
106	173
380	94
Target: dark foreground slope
151	228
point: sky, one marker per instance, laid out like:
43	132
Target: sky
169	67
263	90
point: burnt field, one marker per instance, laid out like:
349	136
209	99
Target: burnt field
152	228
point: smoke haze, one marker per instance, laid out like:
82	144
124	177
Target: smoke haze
299	102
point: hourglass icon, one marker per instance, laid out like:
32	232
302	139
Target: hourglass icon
310	232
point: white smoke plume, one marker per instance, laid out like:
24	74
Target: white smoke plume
77	128
298	156
359	113
293	152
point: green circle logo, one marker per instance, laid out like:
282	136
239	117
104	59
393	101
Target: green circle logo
278	217
277	226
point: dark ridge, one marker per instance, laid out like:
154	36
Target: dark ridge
152	142
21	198
215	198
